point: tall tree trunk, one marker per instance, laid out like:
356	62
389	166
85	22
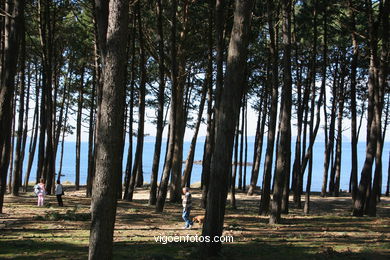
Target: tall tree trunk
12	151
340	98
63	138
297	160
365	180
208	146
245	145
34	135
160	110
129	162
25	128
110	129
241	161
226	115
284	145
379	95
180	122
259	145
91	131
186	178
17	175
234	171
163	188
136	179
388	178
78	130
354	140
330	146
12	35
273	83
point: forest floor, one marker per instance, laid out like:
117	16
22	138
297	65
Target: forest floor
329	232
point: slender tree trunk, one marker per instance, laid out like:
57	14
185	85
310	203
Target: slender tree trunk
330	146
362	197
226	115
245	145
78	130
234	171
129	162
284	145
63	138
354	140
297	159
25	128
241	161
191	153
91	140
340	97
17	175
209	144
160	111
34	136
273	83
388	178
12	151
42	130
12	35
163	188
177	159
379	95
136	179
312	132
259	147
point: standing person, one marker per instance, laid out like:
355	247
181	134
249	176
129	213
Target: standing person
41	192
59	192
187	206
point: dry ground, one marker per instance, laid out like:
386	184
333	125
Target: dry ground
329	232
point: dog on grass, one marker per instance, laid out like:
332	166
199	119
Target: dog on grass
199	219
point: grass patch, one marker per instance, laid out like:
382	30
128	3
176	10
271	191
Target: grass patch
71	215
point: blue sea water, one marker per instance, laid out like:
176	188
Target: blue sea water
68	168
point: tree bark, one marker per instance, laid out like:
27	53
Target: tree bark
340	98
110	131
234	170
160	109
163	188
129	162
259	146
34	137
13	34
365	180
78	130
136	179
354	140
284	145
18	164
186	178
274	84
226	115
209	142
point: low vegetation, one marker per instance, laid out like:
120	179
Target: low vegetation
28	232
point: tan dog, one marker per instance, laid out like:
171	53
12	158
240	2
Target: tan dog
199	219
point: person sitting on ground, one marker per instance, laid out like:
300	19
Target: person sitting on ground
187	206
41	192
59	192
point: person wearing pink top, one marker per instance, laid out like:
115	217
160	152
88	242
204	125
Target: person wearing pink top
41	193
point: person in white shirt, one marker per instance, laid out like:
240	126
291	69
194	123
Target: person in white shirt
59	192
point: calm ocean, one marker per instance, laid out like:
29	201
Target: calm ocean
68	169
